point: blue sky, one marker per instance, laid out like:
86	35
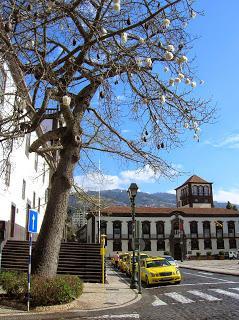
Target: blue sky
215	157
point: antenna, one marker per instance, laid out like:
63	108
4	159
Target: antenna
99	213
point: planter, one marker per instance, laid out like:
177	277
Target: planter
221	257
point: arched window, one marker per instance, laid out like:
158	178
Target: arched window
200	190
103	227
194	229
195	190
206	229
206	190
146	229
219	229
160	229
117	229
231	229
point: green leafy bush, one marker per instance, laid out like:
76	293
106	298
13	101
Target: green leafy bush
44	291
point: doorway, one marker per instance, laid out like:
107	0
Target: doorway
177	251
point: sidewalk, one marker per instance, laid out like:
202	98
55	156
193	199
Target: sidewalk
230	267
115	293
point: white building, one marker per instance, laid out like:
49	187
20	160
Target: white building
25	179
193	228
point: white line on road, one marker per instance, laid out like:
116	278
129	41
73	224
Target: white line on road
158	302
207	273
226	293
203	295
235	289
178	297
115	316
200	275
191	284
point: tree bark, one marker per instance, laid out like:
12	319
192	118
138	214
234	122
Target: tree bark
50	236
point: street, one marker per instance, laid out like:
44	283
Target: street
201	295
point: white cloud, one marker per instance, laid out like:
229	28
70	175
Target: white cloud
231	195
172	191
230	142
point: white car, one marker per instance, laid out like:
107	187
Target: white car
171	260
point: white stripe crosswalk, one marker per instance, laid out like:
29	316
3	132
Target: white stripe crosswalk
172	297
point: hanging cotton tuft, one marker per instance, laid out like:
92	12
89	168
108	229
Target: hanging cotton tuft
166	23
124	37
168	56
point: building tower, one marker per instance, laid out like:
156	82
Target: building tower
195	193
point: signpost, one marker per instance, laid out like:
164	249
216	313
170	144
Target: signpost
32	228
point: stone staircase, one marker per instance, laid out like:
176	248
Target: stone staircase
75	258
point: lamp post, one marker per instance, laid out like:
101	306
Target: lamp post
132	191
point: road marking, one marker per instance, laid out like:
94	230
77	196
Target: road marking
226	293
235	289
190	284
207	273
115	316
203	295
178	297
200	275
158	302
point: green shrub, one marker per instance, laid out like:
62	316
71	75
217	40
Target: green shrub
198	254
44	291
166	253
221	253
209	253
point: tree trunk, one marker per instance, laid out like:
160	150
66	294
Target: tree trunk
46	252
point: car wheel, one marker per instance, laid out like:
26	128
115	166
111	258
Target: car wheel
177	282
147	281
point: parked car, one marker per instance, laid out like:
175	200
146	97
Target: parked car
129	262
159	270
122	261
171	260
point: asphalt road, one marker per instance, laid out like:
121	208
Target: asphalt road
200	296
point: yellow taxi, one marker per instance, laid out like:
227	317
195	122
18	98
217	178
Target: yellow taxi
129	262
122	261
159	270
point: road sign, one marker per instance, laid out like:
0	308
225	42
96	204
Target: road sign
32	221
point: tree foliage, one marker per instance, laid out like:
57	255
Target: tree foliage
72	57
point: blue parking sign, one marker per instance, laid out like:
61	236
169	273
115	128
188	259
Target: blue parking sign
32	221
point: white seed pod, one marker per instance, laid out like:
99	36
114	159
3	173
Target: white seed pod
183	59
148	62
145	100
193	84
181	76
178	80
124	37
166	69
139	61
171	48
193	14
117	7
202	81
195	124
66	101
166	22
141	40
171	82
197	129
185	24
162	98
196	137
103	32
187	81
168	56
186	125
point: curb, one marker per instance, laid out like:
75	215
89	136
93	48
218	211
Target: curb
220	271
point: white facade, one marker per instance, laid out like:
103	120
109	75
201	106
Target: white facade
25	179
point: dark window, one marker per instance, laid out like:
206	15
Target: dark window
8	174
117	245
23	189
231	229
220	243
194	229
219	230
206	190
160	229
103	229
39	205
232	243
207	244
130	245
27	146
44	172
206	229
130	230
46	195
200	190
117	230
194	244
146	229
160	245
13	217
147	245
36	162
194	190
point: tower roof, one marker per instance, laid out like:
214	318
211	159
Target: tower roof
194	179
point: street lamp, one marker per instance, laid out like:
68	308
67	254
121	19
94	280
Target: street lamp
132	191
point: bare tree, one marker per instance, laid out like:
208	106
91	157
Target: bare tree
72	57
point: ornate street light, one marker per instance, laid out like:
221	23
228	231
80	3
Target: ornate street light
132	192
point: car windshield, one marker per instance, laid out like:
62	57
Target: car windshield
142	256
157	263
170	259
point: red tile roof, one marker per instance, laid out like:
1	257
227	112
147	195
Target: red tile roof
154	212
194	179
